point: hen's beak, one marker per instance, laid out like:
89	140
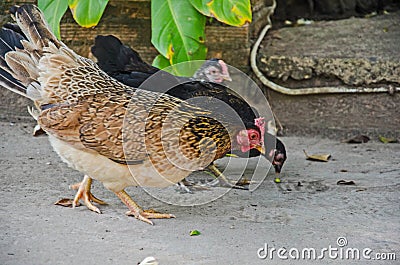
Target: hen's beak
260	148
227	77
278	169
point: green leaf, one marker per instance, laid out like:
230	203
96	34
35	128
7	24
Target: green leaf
187	68
231	12
181	69
87	13
161	62
178	30
386	140
231	155
53	11
194	233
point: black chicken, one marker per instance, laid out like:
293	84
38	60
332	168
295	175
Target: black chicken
126	65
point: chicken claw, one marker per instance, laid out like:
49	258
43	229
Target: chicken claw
222	179
85	194
136	211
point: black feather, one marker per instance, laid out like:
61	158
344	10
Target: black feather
125	65
9	41
114	57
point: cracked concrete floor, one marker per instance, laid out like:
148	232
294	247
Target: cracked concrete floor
307	210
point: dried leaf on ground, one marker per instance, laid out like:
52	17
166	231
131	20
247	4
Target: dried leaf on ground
317	157
65	202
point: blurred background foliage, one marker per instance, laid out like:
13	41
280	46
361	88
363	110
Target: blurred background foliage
177	26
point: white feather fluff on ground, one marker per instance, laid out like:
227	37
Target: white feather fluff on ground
149	261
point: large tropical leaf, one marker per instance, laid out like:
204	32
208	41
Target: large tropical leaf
161	62
177	30
87	13
231	12
53	11
187	68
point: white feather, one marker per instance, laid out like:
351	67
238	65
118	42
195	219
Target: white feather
149	261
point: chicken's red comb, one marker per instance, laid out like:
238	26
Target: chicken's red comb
260	123
224	67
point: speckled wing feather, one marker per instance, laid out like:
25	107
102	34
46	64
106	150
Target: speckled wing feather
93	123
129	130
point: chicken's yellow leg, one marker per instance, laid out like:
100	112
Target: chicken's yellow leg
85	194
222	178
139	213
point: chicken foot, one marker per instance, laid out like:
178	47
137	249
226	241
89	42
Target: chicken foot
219	179
222	179
136	211
85	194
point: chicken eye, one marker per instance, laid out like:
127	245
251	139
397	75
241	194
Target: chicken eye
253	136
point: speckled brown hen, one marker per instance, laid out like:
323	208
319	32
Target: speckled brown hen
116	134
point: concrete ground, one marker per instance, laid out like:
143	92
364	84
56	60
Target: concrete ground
307	210
368	44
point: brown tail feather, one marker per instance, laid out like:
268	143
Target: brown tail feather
43	65
32	23
23	62
21	48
